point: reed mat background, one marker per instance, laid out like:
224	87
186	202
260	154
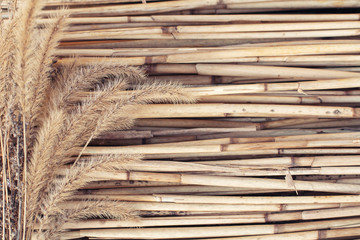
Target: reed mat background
271	148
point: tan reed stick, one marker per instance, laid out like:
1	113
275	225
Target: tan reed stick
243	110
136	9
168	221
246	182
297	4
212	18
185	123
264	27
313	161
318	234
191	232
118	193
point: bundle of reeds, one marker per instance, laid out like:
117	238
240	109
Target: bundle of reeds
269	151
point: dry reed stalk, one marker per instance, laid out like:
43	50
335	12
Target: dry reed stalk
159	43
125	134
314	161
148	206
214	18
244	110
124	184
270	71
186	79
201	131
319	60
289	122
264	135
300	212
253	200
245	182
180	123
130	9
191	232
168	221
78	2
267	152
297	4
275	99
265	27
241	70
204	92
215	149
180	5
169	139
315	235
268	87
333	123
176	188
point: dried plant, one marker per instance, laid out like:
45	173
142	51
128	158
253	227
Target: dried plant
44	122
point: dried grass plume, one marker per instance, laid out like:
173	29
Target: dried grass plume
44	122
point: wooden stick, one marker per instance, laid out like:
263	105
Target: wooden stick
242	110
256	200
319	234
262	183
176	188
264	27
116	34
192	123
334	123
212	18
314	161
270	71
167	221
296	4
250	71
193	232
136	9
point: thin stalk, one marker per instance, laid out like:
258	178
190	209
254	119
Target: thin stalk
10	184
4	185
83	149
24	178
20	209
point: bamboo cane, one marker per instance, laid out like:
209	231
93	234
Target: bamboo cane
191	232
213	18
191	123
242	110
255	200
124	184
319	234
270	71
167	221
217	148
346	123
314	161
177	188
296	4
332	209
233	181
136	9
240	28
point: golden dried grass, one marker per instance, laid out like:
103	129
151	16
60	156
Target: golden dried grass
41	126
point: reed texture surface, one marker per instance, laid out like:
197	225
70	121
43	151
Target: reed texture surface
270	149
